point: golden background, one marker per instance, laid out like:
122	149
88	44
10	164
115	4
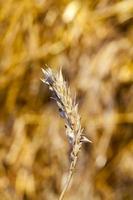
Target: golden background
92	42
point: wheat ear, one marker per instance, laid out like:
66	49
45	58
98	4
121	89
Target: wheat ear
68	109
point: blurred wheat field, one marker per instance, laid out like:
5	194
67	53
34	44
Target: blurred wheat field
93	43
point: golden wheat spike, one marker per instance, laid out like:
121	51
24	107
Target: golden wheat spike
68	109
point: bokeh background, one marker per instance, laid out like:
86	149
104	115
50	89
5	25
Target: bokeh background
92	42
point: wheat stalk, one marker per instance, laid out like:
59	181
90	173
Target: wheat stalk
68	109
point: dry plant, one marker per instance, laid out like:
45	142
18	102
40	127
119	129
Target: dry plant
68	109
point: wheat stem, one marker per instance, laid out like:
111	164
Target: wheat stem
66	185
